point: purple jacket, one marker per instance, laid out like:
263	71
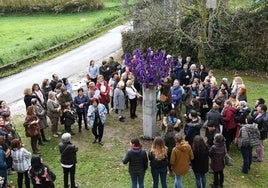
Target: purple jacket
217	153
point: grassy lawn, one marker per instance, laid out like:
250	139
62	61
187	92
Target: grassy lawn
101	167
24	35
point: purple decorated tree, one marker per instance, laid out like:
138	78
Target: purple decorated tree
149	70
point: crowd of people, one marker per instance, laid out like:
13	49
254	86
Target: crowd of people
221	109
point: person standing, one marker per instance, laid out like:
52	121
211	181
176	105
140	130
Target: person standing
138	163
68	159
40	175
21	162
102	85
261	119
180	159
119	100
81	102
31	124
217	153
132	96
97	117
200	161
53	112
158	162
93	71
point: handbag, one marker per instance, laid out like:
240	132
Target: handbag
163	98
32	130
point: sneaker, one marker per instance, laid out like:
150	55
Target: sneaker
11	172
121	119
101	143
59	133
94	142
55	135
257	160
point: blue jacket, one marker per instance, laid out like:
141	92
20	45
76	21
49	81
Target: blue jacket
83	100
102	113
176	94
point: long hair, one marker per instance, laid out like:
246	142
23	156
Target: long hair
199	144
158	148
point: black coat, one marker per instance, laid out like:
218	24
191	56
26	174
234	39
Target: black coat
262	122
184	80
155	164
200	161
68	153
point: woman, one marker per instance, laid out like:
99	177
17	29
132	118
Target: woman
27	97
93	71
200	161
102	85
31	124
41	115
93	92
180	159
4	108
53	112
170	144
97	117
3	162
81	103
21	162
202	73
112	84
40	175
138	163
202	97
119	100
165	90
38	94
132	96
67	85
68	159
158	162
46	88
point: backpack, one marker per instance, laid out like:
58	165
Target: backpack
254	134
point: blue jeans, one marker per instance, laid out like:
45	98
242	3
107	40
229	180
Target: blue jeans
163	176
247	158
200	180
178	181
137	178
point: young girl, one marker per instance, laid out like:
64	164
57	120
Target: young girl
159	162
200	151
217	153
138	162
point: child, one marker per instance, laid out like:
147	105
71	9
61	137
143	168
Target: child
69	117
200	162
138	162
217	153
180	159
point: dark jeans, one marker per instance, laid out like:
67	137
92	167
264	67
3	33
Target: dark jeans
137	178
97	131
133	107
20	179
200	180
162	172
66	172
34	143
81	115
229	136
247	158
218	178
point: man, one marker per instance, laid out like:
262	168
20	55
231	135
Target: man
185	75
261	119
54	81
113	65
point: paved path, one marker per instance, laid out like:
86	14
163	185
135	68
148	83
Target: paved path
66	65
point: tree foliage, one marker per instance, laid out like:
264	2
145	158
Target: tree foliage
219	37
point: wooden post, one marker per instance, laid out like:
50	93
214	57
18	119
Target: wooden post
149	111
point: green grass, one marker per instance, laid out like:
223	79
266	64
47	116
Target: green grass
101	167
24	35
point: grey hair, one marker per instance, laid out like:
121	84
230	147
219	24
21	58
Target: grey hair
66	137
243	103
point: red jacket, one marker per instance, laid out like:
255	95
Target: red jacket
228	118
104	92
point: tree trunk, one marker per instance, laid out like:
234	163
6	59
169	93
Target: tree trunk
149	111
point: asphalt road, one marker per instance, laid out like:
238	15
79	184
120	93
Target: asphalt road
66	65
